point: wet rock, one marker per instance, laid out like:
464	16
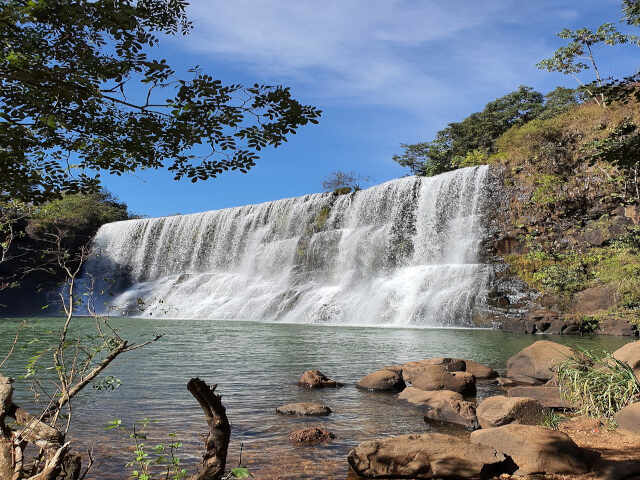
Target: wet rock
629	418
434	377
382	381
535	449
500	410
630	354
304	409
480	371
443	406
429	455
317	379
547	396
311	435
537	361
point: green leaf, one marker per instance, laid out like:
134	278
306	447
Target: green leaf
240	472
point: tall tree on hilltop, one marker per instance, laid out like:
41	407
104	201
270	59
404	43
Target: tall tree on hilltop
71	73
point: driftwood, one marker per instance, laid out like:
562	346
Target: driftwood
217	442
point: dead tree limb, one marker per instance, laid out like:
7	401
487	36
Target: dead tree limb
217	442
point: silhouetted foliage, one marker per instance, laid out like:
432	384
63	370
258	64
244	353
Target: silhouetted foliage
344	182
71	107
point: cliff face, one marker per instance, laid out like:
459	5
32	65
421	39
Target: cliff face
565	238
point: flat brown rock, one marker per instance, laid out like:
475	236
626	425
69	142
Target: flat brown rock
538	361
535	449
311	435
547	396
435	377
480	371
382	381
304	409
499	410
429	455
317	379
443	406
629	418
410	370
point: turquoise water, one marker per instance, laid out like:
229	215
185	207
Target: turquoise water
256	367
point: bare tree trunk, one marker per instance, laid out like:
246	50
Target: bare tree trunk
217	442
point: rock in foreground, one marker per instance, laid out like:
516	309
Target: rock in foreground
443	406
538	361
382	381
630	354
499	410
304	409
547	396
629	418
435	377
311	435
429	455
535	449
317	379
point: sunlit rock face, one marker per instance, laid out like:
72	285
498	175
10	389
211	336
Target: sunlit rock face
403	253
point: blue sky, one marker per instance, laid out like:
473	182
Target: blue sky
384	72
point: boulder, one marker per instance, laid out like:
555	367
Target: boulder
630	354
500	410
481	372
304	408
594	299
537	361
429	455
382	381
317	379
536	449
443	406
629	418
311	435
435	377
411	370
547	396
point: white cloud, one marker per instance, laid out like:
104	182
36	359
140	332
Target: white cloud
413	55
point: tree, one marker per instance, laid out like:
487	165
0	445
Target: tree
570	59
347	181
559	101
71	107
631	9
476	133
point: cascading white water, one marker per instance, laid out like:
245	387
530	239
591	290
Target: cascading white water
402	253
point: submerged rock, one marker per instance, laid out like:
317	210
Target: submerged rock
538	361
311	435
303	408
317	379
429	455
499	410
536	449
443	406
435	377
382	381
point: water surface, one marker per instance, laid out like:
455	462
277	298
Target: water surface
256	367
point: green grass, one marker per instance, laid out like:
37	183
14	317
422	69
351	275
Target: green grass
597	384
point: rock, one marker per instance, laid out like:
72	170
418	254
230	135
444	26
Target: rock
481	372
535	449
443	406
547	396
311	435
394	368
304	408
429	455
506	382
434	377
500	410
537	361
382	381
317	379
629	418
617	326
410	370
594	299
630	354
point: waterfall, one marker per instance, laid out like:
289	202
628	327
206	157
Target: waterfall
403	253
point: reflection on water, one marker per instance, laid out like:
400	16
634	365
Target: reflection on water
256	367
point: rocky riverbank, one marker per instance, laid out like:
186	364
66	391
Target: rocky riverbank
527	431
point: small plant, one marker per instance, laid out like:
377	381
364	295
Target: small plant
597	384
551	419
